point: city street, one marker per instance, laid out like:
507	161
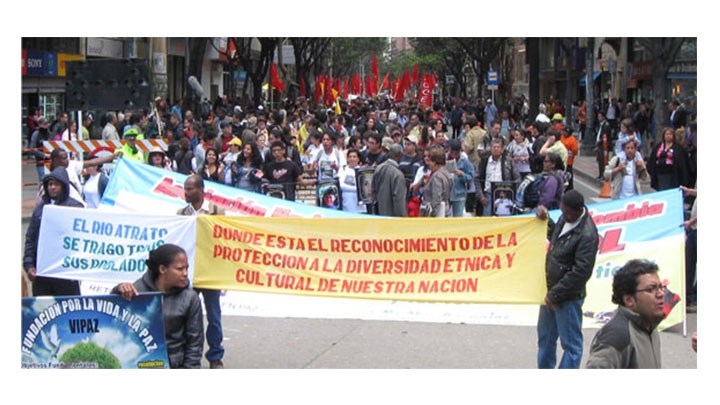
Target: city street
302	343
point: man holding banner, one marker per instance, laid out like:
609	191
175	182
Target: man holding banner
57	186
197	205
568	266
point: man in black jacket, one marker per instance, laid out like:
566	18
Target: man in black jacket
604	128
568	266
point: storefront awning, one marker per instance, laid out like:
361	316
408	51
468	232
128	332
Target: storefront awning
583	79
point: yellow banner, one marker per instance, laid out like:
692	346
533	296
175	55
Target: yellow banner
464	260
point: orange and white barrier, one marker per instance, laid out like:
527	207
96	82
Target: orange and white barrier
146	145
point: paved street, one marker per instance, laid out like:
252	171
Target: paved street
300	343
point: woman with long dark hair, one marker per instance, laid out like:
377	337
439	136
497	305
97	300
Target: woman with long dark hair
212	168
247	170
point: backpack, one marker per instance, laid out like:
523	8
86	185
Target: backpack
528	191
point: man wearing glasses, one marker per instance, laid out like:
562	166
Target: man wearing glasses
631	339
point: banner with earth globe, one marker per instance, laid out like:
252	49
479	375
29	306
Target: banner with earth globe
93	331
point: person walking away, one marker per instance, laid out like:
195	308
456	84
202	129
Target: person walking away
389	190
571	145
438	186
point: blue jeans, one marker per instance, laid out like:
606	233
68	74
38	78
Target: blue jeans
213	332
487	209
40	172
564	322
458	208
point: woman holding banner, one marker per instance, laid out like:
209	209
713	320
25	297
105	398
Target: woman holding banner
167	272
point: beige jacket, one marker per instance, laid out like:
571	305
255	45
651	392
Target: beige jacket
617	180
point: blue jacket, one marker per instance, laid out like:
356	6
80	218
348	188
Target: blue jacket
460	183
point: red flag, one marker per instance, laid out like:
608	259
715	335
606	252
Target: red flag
275	79
415	78
302	86
426	92
355	89
328	96
400	93
406	80
431	81
346	90
374	67
386	81
318	89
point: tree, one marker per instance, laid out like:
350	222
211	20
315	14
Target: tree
481	51
349	53
308	54
256	66
90	353
663	51
444	54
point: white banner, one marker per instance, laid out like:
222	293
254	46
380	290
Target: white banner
84	244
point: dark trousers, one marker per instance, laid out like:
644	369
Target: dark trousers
569	169
600	156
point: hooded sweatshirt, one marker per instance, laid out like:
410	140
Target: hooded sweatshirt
33	231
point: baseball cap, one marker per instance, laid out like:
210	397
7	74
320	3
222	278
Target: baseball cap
130	133
224	123
235	141
42	121
412	138
386	142
88	116
156	149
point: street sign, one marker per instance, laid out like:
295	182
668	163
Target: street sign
492	78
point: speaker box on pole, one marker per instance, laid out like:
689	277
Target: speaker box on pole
109	84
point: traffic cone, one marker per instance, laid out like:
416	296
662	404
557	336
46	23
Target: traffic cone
605	190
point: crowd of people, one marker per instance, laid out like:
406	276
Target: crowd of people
449	160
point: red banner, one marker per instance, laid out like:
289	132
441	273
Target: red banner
426	97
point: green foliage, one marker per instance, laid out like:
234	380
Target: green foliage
90	353
350	53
